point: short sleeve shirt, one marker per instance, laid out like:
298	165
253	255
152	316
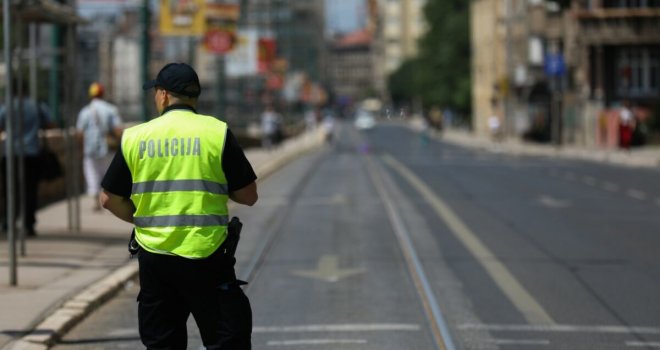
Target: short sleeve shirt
95	121
35	117
237	168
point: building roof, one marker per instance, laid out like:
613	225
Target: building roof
355	39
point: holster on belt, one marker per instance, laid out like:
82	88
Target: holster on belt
228	247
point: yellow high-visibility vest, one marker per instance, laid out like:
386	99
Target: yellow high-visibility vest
179	188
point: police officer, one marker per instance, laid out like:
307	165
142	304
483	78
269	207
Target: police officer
172	178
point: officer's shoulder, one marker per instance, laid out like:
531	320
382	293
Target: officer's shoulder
212	119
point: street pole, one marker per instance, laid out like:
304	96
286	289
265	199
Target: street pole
21	147
146	20
508	68
220	87
33	63
9	146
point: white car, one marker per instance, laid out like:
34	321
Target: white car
364	120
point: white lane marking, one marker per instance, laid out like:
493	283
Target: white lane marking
314	342
122	332
642	344
610	186
521	342
560	328
588	180
439	327
505	280
637	194
552	202
347	327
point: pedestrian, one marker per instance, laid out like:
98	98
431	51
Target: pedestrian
626	125
98	125
494	127
270	127
329	128
172	178
34	117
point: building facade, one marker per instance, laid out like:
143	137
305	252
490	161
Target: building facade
550	72
352	69
402	23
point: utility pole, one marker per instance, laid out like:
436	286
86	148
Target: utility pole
9	146
145	56
508	110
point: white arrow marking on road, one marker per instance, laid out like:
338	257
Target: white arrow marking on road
328	270
551	202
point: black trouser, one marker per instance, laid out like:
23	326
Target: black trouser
31	164
171	288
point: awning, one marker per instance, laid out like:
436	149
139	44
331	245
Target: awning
46	11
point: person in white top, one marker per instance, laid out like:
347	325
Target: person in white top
494	127
626	125
98	122
270	126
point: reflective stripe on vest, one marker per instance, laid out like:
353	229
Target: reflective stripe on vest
179	185
179	188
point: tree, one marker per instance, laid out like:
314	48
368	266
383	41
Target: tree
440	74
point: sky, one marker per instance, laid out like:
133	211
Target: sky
344	16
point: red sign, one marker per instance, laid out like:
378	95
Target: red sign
267	52
219	41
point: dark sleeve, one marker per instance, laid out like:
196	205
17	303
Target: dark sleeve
236	166
118	179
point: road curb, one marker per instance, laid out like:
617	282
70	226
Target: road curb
611	157
74	310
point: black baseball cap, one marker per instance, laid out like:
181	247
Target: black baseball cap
178	78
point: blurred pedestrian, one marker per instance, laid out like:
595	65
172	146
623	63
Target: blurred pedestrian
329	127
172	178
270	127
626	125
311	116
35	117
494	127
436	119
99	125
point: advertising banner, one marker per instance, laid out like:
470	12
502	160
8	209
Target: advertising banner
182	17
243	60
221	22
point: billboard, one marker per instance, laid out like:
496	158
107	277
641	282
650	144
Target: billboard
243	60
182	17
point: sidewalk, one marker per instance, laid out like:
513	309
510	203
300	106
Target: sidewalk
647	156
65	275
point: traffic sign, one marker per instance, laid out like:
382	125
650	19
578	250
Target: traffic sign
219	41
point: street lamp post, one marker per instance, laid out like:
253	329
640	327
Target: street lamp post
9	146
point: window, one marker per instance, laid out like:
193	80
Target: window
637	71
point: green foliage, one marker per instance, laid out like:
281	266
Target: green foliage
440	75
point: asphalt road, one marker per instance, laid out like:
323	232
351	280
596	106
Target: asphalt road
389	240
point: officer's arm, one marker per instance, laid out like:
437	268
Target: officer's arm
246	195
121	207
